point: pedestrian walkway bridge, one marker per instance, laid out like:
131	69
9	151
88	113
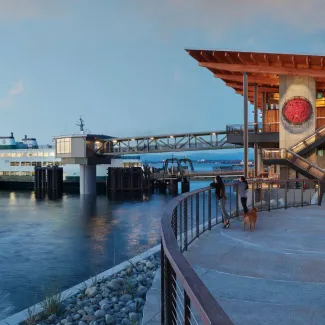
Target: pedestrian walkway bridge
271	276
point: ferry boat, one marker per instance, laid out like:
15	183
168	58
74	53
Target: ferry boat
18	160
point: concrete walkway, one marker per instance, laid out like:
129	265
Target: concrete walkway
275	275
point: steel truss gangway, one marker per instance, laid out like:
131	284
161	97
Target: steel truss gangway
166	143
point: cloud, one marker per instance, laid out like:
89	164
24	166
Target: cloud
30	9
14	91
215	18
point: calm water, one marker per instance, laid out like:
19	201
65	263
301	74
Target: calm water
62	243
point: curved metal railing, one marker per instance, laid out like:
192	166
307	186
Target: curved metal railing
184	297
194	304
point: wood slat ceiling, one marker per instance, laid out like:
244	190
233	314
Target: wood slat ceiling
262	69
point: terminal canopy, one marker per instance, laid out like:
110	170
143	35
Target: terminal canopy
262	69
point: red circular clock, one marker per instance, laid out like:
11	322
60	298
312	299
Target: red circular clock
297	110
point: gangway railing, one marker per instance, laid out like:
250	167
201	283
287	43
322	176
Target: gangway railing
184	297
253	128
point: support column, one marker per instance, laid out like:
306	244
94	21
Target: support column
88	179
245	87
255	129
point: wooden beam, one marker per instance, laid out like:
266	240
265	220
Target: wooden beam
265	69
261	89
250	79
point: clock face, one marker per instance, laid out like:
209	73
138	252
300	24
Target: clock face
297	110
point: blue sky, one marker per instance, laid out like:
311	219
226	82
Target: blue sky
122	64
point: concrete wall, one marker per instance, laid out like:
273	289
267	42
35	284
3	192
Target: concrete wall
291	86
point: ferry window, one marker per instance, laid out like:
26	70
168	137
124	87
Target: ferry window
40	154
28	173
14	163
13	154
63	145
6	173
14	173
33	173
36	163
52	154
2	154
34	154
23	154
26	163
57	163
46	154
1	173
8	154
29	154
18	154
23	174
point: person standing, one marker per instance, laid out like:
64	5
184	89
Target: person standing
221	196
242	186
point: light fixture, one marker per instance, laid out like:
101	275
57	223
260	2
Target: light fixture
132	139
114	141
152	138
171	136
213	133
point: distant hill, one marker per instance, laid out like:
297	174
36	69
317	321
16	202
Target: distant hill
207	155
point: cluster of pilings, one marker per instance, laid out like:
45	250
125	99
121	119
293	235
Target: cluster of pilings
133	179
48	180
172	185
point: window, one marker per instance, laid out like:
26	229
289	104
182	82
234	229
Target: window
52	154
6	173
57	163
26	163
8	154
40	154
46	154
2	154
18	154
1	173
36	163
34	154
63	145
14	163
14	173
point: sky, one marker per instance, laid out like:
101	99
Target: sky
122	64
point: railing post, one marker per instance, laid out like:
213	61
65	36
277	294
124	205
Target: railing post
302	193
237	203
253	195
269	190
285	194
185	224
203	210
180	226
170	294
209	209
192	223
197	217
187	306
162	284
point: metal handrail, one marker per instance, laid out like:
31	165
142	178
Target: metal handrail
194	289
283	153
320	132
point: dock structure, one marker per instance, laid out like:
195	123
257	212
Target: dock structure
48	180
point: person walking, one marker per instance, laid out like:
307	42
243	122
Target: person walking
242	186
221	196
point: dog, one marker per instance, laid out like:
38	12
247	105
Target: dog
250	218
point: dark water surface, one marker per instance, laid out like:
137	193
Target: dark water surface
61	243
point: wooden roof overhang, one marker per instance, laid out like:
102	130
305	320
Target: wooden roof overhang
262	69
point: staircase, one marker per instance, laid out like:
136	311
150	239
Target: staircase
293	157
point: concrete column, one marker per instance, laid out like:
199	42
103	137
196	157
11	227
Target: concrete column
245	87
87	179
291	86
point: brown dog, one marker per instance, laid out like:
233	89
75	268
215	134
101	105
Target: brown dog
250	218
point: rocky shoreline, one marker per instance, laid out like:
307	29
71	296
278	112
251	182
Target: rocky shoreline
117	299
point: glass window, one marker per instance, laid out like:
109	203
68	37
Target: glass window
40	154
18	154
13	154
63	145
52	154
14	163
8	154
14	173
29	154
23	174
34	154
1	173
26	163
2	154
46	154
6	173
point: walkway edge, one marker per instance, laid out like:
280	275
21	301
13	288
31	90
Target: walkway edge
23	315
